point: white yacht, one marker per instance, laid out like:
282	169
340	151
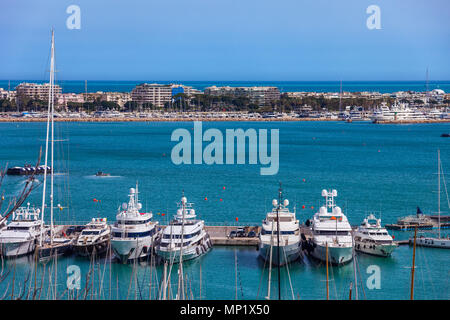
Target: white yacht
356	113
280	241
20	236
331	232
373	239
134	233
397	112
94	238
185	237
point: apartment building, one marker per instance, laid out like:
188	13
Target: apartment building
258	95
36	91
159	94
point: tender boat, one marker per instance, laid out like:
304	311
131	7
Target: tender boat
280	240
373	239
20	235
331	232
134	233
102	174
185	237
94	238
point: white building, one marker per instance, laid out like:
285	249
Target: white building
36	91
159	94
258	95
7	95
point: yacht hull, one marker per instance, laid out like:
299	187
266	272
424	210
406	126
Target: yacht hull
336	255
188	254
130	249
381	250
432	242
11	249
85	250
57	249
288	253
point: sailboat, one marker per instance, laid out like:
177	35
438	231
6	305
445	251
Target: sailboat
49	245
439	242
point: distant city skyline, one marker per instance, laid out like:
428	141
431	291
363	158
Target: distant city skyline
227	40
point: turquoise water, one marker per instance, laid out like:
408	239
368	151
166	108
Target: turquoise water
386	169
284	86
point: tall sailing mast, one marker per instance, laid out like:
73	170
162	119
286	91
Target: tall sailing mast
49	118
280	198
439	194
52	71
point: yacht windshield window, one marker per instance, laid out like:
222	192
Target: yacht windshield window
87	232
134	234
18	228
333	233
178	236
130	222
275	232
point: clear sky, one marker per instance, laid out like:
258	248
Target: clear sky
226	40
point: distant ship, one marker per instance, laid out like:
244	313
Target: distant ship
397	112
27	170
419	220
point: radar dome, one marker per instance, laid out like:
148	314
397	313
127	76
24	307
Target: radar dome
139	206
323	210
324	193
286	202
274	202
132	191
337	210
334	193
183	200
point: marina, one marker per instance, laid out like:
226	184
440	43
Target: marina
235	234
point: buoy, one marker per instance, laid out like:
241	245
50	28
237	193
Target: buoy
206	198
220	199
237	219
223	188
303	206
312	207
304	179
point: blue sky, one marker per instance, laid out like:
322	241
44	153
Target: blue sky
227	40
